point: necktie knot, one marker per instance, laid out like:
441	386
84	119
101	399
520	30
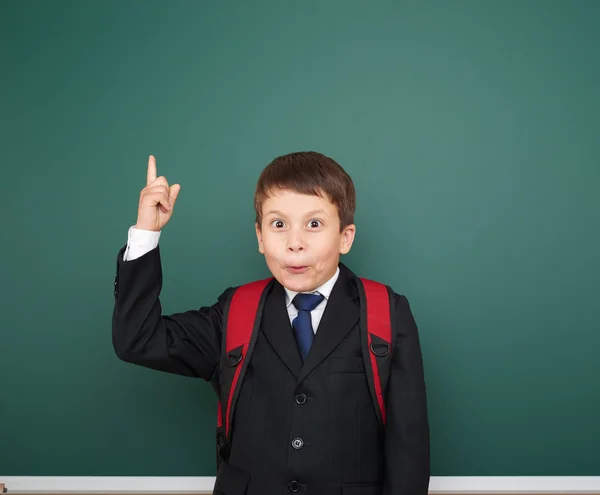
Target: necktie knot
307	302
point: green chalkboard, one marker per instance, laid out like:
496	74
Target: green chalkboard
472	132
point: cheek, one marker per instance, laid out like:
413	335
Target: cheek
271	247
327	249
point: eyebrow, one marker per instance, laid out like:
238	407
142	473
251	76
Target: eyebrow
279	213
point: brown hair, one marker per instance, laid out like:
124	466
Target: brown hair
308	172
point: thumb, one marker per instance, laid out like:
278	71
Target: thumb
173	193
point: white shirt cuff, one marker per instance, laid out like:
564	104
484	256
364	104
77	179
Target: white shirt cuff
139	242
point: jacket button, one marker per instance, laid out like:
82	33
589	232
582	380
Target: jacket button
297	443
294	486
301	399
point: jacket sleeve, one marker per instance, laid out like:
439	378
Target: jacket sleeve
407	456
187	343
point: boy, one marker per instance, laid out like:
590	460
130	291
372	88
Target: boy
304	419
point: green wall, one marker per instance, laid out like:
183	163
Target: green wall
471	129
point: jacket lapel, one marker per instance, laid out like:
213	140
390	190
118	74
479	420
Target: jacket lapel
341	315
278	330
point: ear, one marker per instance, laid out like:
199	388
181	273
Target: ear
347	238
259	238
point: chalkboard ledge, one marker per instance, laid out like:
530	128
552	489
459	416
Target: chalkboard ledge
455	485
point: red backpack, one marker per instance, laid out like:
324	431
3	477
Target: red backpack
241	321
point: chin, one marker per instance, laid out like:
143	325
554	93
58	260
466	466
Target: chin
296	283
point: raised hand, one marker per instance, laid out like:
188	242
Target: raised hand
157	200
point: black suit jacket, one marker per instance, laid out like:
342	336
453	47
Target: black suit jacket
297	427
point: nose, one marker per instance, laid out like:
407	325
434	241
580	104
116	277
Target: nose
295	242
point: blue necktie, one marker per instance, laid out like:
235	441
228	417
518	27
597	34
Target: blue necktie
302	324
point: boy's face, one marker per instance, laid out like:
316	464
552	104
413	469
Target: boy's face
301	239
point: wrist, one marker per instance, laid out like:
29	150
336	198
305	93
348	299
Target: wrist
140	226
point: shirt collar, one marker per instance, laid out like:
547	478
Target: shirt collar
324	289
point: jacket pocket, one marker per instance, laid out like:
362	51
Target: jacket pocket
347	365
231	481
361	489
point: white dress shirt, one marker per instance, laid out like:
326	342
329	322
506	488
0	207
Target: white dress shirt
317	313
139	242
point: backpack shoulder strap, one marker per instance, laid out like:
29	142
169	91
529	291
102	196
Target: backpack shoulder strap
241	318
377	307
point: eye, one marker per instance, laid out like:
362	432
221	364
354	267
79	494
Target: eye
278	224
315	223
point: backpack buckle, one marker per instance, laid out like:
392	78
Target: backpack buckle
222	446
233	359
380	350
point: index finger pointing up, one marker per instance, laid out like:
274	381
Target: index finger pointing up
151	176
